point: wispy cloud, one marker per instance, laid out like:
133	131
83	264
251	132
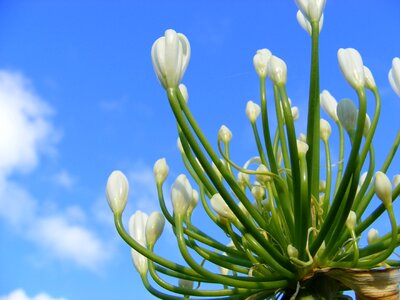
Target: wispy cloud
27	132
20	294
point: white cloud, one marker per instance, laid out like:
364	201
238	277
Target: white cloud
20	294
26	133
25	127
64	179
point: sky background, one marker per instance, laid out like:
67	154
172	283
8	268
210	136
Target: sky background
79	98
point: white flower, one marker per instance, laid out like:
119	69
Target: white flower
154	227
295	113
260	61
367	125
325	129
181	194
329	105
137	229
184	92
252	111
117	191
305	24
220	206
292	251
302	137
383	188
311	9
170	55
373	235
352	67
160	170
224	134
277	70
258	191
394	75
369	78
262	177
351	220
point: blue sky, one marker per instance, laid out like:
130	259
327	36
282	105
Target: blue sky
79	98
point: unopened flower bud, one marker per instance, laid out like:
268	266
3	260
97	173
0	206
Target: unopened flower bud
305	24
302	148
262	177
277	70
362	178
394	75
117	191
396	180
295	113
329	105
373	235
347	114
170	55
185	284
258	191
184	92
325	129
243	179
160	170
224	134
367	125
311	9
137	228
194	201
292	251
260	60
181	194
302	137
221	208
154	228
369	78
252	111
352	67
383	188
351	220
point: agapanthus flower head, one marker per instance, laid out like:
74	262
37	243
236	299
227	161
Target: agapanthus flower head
369	78
219	205
160	170
305	24
252	111
137	229
325	129
383	188
181	194
329	105
154	227
277	70
347	113
260	61
311	9
225	134
373	235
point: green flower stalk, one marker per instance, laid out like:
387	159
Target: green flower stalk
295	225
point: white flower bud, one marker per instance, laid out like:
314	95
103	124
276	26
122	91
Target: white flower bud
224	134
258	191
295	113
396	180
311	9
221	208
181	194
252	111
352	67
351	220
117	191
373	235
305	24
154	227
137	228
394	75
292	251
260	60
362	178
170	55
277	70
347	114
367	125
302	137
243	179
325	129
185	284
302	148
263	178
193	203
329	105
383	188
184	92
369	78
160	170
